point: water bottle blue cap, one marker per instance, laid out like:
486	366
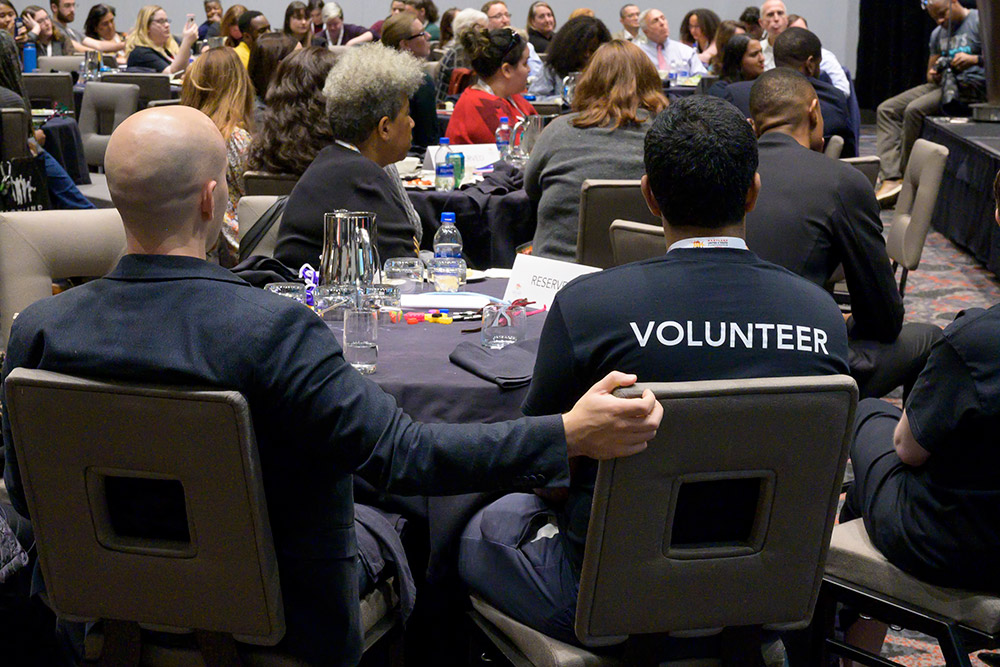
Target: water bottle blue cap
447	217
444	141
504	119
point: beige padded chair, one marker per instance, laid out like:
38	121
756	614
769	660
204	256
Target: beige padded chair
858	574
48	90
16	128
69	64
636	241
912	218
601	203
212	571
37	247
152	86
774	450
548	108
105	106
834	147
249	210
266	183
868	165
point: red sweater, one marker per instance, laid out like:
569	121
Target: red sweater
477	116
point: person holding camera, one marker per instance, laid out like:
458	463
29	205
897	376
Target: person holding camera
956	77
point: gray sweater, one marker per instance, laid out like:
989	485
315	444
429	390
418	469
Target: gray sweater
561	159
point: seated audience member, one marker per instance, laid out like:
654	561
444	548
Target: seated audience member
8	14
616	99
405	32
500	58
700	157
628	16
213	20
926	478
62	13
774	21
498	16
541	25
219	87
799	50
100	26
569	52
427	12
750	18
229	28
296	23
267	53
666	53
727	30
316	16
456	55
447	30
369	117
335	32
395	7
315	419
829	66
63	193
685	37
48	40
815	214
702	25
294	126
741	61
150	45
252	24
958	40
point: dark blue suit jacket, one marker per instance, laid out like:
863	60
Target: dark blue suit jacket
183	321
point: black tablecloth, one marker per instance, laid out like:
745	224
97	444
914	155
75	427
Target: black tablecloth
965	210
494	217
63	142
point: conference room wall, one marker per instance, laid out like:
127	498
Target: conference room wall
834	21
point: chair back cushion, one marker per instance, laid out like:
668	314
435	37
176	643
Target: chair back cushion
147	504
16	126
38	247
152	86
46	89
635	241
267	183
725	519
104	107
602	202
69	64
249	211
912	218
869	165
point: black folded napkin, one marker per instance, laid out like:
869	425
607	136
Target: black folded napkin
509	367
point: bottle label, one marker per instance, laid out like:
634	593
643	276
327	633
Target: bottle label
444	169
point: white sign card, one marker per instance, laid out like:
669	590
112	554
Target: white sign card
476	155
539	279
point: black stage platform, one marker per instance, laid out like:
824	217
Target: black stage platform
965	208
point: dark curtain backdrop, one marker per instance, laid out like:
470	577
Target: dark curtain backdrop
892	48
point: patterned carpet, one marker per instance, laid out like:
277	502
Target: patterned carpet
947	281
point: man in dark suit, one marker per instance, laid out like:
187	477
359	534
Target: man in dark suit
166	316
801	50
815	214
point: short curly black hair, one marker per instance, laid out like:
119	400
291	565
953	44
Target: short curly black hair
701	159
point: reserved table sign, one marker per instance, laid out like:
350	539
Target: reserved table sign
538	279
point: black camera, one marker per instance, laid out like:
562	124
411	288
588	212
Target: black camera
951	103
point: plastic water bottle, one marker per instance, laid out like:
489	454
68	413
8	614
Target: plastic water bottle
675	67
444	169
503	139
30	58
447	239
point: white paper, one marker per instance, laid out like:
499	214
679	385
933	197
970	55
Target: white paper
451	300
476	155
538	279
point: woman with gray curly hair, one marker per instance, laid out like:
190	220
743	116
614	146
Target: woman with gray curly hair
369	117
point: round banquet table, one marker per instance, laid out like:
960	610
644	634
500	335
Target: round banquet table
413	367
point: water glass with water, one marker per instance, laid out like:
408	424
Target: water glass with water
407	273
448	273
503	324
361	339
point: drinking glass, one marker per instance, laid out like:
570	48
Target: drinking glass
405	272
448	273
383	298
295	291
361	339
503	324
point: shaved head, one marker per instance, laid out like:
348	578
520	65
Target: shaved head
780	97
161	164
